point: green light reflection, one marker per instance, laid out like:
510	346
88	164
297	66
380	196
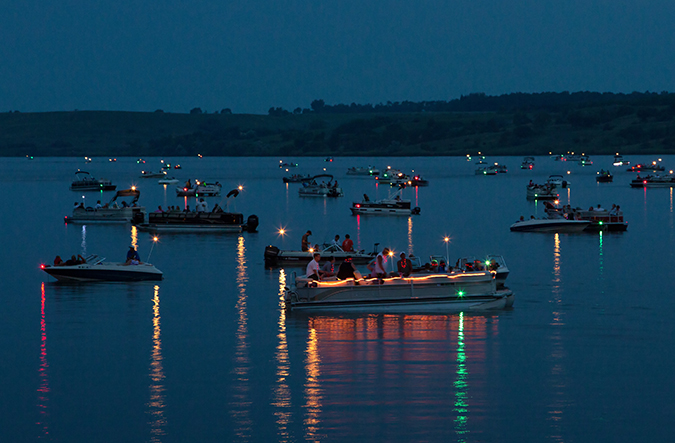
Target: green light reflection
461	385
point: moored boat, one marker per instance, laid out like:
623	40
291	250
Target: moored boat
358	170
549	224
541	192
392	205
199	189
276	257
84	181
644	167
311	188
599	219
654	181
528	163
121	209
620	161
150	174
445	292
604	176
192	221
167	181
297	178
96	269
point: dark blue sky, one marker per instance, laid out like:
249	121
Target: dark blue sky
250	55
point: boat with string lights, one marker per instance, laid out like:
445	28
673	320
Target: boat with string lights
430	293
392	205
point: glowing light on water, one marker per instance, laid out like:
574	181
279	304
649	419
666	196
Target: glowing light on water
157	397
241	403
461	407
282	392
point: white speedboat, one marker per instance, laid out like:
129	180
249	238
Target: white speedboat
167	181
275	256
122	208
558	181
95	269
84	181
433	293
620	161
541	192
555	224
391	175
358	170
150	174
199	189
312	188
392	205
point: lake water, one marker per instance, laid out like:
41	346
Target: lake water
209	354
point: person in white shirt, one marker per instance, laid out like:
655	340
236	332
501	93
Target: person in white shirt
336	241
313	270
98	204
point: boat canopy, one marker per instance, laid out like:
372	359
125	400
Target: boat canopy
135	193
330	177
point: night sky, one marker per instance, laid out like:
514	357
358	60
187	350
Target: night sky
251	55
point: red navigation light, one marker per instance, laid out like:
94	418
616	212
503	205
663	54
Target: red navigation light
644	182
42	266
358	205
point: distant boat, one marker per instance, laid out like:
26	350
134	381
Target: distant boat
84	181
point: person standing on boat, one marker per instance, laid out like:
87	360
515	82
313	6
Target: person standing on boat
381	262
313	271
305	241
404	266
348	244
336	241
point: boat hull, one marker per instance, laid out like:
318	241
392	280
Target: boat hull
105	272
550	226
105	215
427	294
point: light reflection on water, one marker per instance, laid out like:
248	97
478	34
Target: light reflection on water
156	405
558	353
241	402
43	374
411	368
83	244
410	236
282	392
134	237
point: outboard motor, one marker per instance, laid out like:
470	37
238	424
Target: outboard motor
138	218
416	210
271	256
252	223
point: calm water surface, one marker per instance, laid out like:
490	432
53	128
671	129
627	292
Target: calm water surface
209	354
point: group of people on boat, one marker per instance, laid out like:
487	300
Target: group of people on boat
346	245
72	261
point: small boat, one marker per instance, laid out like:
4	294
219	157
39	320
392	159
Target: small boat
328	159
585	160
199	189
541	192
297	178
573	157
604	176
84	181
417	180
217	220
654	181
150	174
167	181
311	188
559	157
177	166
287	165
640	167
95	269
557	181
528	163
276	257
392	205
549	224
370	171
486	170
391	175
121	209
192	221
599	219
432	293
619	160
